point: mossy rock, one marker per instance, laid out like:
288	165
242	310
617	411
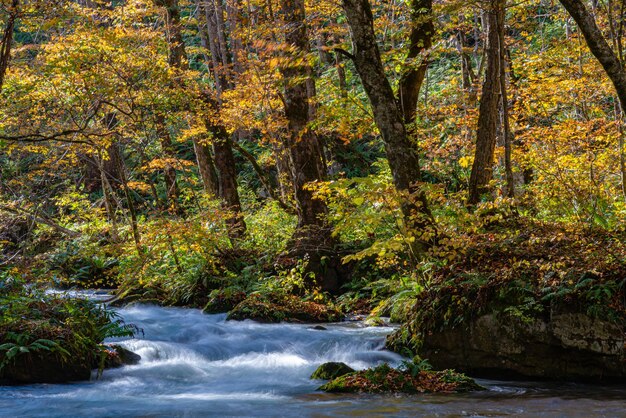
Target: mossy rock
567	347
275	308
223	300
385	379
47	367
331	370
52	367
375	322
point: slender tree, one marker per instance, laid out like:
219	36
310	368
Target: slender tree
482	168
224	158
7	39
506	123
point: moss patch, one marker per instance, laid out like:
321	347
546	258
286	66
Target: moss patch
331	370
283	308
51	338
385	379
526	269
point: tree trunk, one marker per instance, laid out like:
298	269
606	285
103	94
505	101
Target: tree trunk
341	76
222	147
506	125
169	172
7	41
467	73
225	164
420	40
131	206
313	235
302	146
283	177
212	15
401	153
482	169
206	167
109	197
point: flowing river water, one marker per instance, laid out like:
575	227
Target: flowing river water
197	365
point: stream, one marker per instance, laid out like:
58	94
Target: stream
196	365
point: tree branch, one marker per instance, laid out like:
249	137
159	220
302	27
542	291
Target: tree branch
40	219
344	53
259	171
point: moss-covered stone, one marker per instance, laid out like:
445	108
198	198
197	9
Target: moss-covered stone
47	367
50	338
274	308
331	370
385	379
534	299
375	321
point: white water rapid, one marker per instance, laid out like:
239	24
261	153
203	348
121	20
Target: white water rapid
196	365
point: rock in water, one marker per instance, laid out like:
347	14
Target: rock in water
271	308
118	356
45	367
569	346
331	370
385	379
319	328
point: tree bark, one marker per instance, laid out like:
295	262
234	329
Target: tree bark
302	145
313	234
7	41
506	123
401	153
206	167
225	164
482	169
420	40
221	59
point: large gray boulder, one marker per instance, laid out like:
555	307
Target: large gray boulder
569	346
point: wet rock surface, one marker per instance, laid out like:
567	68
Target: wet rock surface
44	367
571	346
118	356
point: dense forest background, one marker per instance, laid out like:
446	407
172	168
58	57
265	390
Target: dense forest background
183	150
